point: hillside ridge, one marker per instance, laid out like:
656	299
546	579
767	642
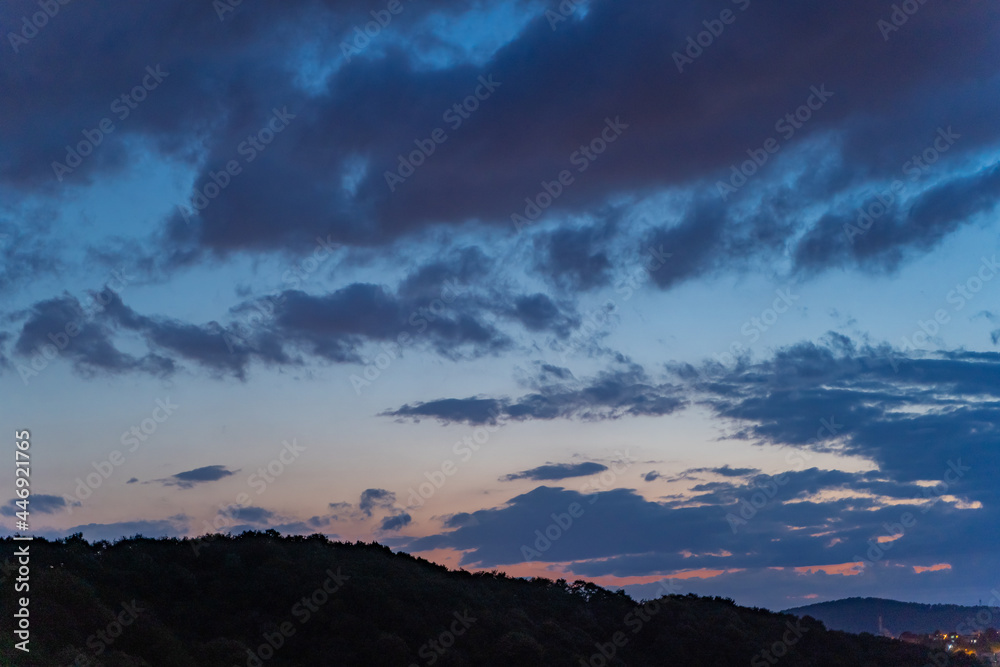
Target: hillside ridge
261	599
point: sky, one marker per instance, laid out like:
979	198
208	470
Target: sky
696	295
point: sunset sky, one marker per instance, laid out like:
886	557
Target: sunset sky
624	291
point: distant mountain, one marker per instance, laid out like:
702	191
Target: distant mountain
263	600
862	614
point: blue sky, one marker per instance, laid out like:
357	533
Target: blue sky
718	278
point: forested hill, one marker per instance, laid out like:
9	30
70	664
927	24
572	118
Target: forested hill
262	599
862	614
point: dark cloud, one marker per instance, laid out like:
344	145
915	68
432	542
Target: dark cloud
447	410
557	372
576	258
538	312
222	351
27	252
799	484
693	244
449	277
611	524
38	502
459	519
625	391
281	328
910	413
333	326
396	521
373	499
65	326
344	512
4	360
318	522
725	471
610	395
555	92
189	478
175	526
251	514
992	318
651	476
618	532
871	234
557	471
926	421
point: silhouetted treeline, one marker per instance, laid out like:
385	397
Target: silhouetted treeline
260	599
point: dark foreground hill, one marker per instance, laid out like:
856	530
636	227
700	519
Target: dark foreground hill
262	599
862	614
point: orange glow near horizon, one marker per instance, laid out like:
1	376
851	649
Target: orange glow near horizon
844	569
451	558
931	568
